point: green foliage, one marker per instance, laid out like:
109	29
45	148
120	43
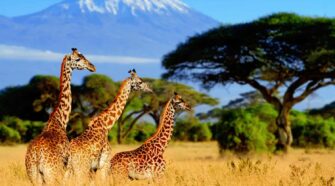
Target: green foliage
8	135
191	129
271	55
163	90
112	135
33	129
141	132
141	104
15	130
313	131
272	48
38	98
245	129
241	131
98	90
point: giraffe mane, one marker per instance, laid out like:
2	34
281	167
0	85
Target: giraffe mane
60	86
161	124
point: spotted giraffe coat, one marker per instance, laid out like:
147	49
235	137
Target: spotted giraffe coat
47	154
147	161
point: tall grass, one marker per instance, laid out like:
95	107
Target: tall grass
200	164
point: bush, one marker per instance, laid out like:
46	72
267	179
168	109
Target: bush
112	134
141	132
15	130
200	132
191	129
8	135
240	130
313	131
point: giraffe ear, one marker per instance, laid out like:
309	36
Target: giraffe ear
74	50
134	70
175	93
129	71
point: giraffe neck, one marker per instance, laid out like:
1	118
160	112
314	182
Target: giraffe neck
164	132
109	116
60	116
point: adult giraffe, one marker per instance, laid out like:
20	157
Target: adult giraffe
90	152
147	161
46	155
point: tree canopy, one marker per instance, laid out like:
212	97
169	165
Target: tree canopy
97	91
35	99
283	52
152	104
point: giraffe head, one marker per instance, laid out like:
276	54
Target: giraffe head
137	83
78	61
179	104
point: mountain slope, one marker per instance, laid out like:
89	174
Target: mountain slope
144	28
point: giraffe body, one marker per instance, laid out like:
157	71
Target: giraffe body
147	161
47	154
90	152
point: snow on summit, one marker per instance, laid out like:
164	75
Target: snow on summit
113	6
141	28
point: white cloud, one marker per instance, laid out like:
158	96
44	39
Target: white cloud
22	53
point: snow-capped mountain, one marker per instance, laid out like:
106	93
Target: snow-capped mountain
114	6
143	28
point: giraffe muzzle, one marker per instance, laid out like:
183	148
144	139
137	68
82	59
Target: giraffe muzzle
91	67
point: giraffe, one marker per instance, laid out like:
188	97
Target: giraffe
46	155
90	152
147	161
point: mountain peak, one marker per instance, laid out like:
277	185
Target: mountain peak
135	6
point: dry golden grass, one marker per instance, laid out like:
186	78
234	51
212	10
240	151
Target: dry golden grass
199	164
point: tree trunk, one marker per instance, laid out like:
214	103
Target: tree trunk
155	116
119	131
283	133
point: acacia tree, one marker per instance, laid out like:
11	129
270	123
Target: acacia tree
32	101
140	105
284	56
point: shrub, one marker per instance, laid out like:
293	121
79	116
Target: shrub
141	132
241	131
16	130
200	132
9	135
191	129
313	131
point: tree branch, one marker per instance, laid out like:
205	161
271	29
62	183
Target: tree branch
267	94
311	87
130	115
288	96
155	117
133	123
275	87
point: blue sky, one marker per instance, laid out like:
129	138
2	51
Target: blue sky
232	11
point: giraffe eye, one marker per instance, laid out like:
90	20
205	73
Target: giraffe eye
78	59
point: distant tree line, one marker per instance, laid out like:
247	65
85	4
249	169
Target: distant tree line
24	109
248	124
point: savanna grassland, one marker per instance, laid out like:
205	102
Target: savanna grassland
200	164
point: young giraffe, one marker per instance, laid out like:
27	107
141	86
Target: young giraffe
90	152
46	155
147	161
